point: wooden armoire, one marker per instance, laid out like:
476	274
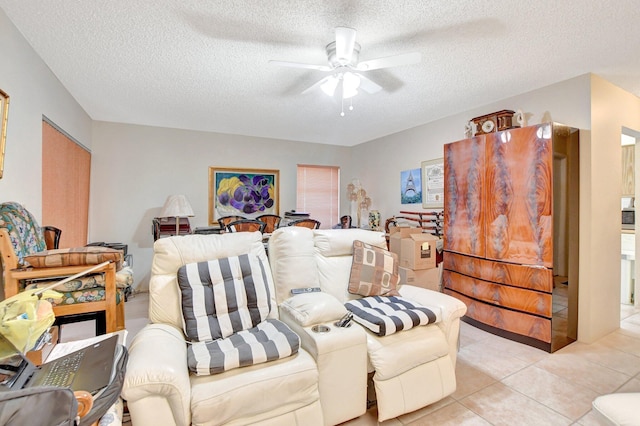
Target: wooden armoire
511	215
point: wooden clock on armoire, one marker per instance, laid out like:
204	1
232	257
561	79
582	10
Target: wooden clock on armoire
511	252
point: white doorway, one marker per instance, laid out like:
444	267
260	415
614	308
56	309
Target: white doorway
629	282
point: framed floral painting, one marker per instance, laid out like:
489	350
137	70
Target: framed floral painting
243	192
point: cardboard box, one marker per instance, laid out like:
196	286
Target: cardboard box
397	233
39	357
426	278
418	251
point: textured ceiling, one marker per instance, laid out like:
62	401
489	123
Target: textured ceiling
203	64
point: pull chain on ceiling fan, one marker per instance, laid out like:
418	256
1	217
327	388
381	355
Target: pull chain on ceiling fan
346	71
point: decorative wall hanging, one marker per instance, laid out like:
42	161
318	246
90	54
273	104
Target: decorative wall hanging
359	203
410	187
243	192
4	111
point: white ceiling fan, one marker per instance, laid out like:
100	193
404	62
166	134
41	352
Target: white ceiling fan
346	71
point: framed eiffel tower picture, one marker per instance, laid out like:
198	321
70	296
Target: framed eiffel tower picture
410	187
433	184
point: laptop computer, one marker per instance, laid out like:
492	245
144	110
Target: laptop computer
87	369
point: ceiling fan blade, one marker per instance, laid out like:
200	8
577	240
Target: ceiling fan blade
328	80
367	85
345	43
301	65
390	61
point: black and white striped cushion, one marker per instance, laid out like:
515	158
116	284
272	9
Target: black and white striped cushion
224	296
268	341
387	315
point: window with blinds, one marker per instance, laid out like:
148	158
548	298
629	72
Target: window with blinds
318	193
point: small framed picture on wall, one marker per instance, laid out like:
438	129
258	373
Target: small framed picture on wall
410	187
433	184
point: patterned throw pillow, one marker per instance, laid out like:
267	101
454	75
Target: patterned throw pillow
374	271
224	296
77	256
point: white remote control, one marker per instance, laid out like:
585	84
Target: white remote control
305	290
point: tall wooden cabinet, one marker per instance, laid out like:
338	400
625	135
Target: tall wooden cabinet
511	218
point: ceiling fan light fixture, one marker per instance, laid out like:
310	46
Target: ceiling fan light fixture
350	84
329	86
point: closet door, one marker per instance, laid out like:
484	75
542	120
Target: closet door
464	222
519	222
66	168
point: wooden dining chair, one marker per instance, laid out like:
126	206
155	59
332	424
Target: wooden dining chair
246	225
307	223
225	220
272	221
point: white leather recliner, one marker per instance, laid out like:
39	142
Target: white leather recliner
413	368
158	387
618	409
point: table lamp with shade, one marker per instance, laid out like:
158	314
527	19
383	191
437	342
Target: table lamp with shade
177	206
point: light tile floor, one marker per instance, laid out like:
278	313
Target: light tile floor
501	382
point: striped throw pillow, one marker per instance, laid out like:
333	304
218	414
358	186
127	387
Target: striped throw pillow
388	315
224	296
268	341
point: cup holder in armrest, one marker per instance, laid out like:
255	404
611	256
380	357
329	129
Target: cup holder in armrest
320	328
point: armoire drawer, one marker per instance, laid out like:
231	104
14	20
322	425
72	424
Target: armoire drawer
531	277
512	321
533	302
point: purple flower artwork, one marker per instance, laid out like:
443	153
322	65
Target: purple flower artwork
244	193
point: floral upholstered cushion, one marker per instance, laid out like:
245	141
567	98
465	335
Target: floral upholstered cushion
124	278
24	232
94	294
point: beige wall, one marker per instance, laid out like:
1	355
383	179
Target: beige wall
34	91
601	177
135	168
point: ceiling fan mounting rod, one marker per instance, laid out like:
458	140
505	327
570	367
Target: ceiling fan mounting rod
336	62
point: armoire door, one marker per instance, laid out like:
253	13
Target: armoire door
519	221
464	171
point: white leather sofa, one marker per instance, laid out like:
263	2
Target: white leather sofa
413	368
619	409
158	387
